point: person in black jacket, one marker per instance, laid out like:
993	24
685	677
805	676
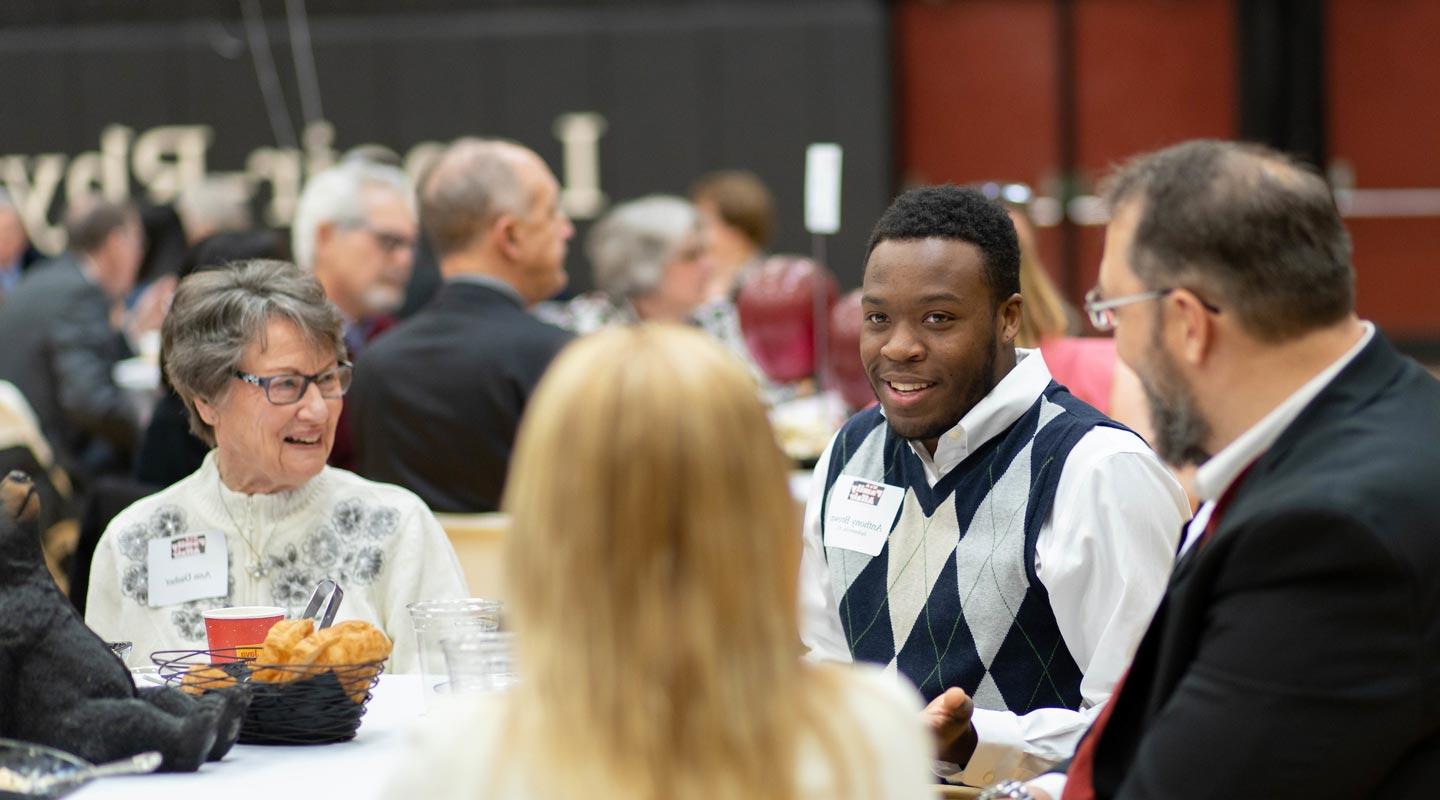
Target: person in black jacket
437	400
17	254
62	340
1297	650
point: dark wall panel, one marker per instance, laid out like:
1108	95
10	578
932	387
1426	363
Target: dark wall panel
684	86
668	149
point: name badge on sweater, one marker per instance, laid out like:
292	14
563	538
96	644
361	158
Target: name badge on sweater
192	566
860	514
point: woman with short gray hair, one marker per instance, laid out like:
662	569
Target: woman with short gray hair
255	352
647	264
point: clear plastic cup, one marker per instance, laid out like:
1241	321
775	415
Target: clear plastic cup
480	662
435	620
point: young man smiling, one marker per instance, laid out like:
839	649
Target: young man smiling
982	532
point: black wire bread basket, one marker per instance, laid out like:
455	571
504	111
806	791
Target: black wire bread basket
289	703
314	703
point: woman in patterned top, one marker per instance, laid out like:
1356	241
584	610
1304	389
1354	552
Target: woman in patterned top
255	352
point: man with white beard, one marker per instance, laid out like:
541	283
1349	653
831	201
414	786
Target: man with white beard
355	228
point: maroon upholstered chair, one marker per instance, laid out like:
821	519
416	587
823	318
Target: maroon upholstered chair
776	304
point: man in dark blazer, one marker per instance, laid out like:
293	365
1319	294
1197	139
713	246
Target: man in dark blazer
437	400
60	343
1297	650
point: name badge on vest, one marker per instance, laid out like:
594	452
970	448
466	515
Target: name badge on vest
860	514
192	566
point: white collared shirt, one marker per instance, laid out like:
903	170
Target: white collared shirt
1103	556
1215	475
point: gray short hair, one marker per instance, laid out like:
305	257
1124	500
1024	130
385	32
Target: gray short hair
337	196
215	203
629	247
466	188
217	313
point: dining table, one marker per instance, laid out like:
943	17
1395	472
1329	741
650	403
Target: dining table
353	770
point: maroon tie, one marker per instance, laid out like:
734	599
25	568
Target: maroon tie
1080	782
1221	505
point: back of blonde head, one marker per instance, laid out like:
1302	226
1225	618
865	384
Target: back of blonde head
1045	313
653	570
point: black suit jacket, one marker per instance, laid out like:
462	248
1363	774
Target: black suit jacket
436	401
1297	654
59	349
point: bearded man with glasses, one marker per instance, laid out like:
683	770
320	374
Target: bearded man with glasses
1295	651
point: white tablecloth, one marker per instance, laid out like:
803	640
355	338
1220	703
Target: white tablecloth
354	770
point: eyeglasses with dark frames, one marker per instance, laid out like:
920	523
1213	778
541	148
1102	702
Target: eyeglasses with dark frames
287	389
389	241
1102	312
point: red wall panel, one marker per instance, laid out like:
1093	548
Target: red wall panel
977	100
977	90
1152	73
1384	119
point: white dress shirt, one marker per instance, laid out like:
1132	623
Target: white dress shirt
1103	555
1215	475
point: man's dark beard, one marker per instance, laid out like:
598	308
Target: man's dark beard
1180	430
979	388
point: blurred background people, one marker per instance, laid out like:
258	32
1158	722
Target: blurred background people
437	400
23	447
255	352
737	222
654	601
647	264
64	329
16	252
214	204
355	228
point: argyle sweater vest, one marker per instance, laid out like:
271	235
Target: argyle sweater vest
952	599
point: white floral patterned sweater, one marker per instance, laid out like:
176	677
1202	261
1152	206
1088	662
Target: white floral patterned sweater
378	541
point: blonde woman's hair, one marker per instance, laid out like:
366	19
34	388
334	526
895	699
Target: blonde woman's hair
1045	313
653	566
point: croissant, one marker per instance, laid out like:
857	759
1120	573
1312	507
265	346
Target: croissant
279	649
352	647
200	679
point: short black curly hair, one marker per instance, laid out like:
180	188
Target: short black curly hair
954	212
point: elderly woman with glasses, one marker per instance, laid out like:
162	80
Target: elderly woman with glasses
255	353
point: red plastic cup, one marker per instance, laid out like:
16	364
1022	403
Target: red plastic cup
240	627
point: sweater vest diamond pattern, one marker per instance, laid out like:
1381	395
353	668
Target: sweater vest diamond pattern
952	599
